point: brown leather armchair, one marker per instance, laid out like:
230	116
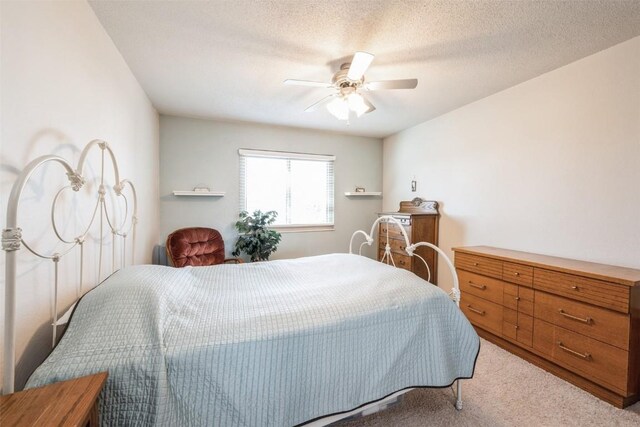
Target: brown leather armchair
197	246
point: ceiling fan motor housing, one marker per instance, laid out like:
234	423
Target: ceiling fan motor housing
343	83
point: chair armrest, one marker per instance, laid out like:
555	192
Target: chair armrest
233	261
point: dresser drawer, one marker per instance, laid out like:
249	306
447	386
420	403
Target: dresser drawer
481	286
517	273
477	264
510	330
510	323
401	261
600	362
482	313
510	316
599	323
525	306
510	300
597	292
393	231
518	298
397	245
525	330
517	327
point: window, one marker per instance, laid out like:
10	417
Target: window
297	186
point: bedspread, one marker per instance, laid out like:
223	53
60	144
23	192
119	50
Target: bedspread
265	344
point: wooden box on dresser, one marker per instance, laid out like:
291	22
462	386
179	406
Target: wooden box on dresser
419	218
575	319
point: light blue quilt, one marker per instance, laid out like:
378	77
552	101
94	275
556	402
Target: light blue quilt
266	344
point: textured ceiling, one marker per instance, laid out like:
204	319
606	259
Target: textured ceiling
227	59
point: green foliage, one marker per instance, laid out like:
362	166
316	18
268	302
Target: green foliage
256	239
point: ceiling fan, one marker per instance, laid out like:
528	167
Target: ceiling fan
348	82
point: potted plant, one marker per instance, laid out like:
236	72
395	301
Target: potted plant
256	239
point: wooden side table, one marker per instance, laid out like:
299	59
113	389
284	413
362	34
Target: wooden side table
66	403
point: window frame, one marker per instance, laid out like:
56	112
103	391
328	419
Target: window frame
291	156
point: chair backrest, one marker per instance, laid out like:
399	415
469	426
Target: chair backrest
195	246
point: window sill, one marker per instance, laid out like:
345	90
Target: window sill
303	228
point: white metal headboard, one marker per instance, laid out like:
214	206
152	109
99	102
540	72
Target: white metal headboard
12	238
409	249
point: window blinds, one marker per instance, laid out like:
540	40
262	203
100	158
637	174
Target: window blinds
299	186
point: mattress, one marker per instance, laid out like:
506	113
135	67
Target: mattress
274	343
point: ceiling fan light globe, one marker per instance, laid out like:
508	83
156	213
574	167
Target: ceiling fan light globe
339	108
357	104
361	112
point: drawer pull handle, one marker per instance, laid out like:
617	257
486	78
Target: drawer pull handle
401	262
586	320
473	285
517	298
585	356
516	273
476	264
575	288
475	310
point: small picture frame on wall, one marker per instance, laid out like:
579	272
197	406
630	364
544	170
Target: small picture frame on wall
360	190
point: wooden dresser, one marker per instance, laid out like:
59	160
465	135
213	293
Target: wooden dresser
575	319
420	220
66	403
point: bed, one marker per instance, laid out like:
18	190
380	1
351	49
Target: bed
276	343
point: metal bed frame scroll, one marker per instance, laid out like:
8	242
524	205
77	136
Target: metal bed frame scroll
410	250
12	239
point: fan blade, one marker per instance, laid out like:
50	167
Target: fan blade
314	106
368	104
359	64
392	84
292	82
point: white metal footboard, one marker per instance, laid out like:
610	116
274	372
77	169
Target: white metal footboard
410	250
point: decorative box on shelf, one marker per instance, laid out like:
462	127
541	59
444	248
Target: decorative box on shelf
362	192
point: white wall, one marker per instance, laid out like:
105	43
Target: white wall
549	166
194	151
63	84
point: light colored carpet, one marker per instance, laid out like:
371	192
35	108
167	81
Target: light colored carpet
505	391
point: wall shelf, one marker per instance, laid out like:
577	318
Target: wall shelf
198	193
363	193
